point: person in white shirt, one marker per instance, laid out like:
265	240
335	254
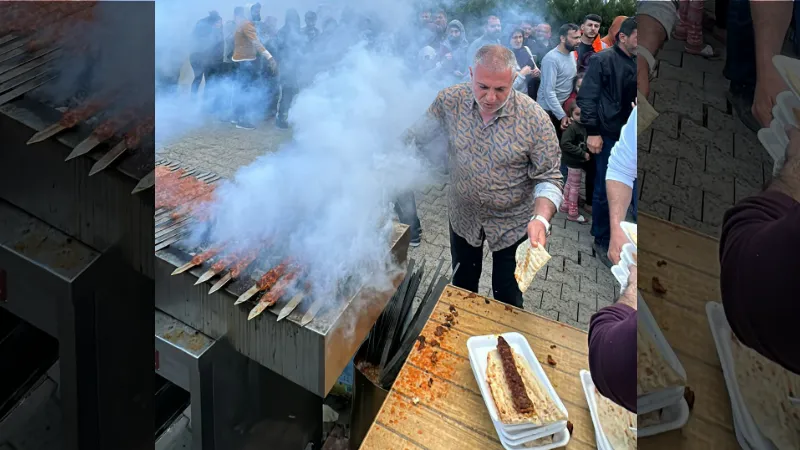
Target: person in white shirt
621	184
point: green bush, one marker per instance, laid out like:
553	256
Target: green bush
565	11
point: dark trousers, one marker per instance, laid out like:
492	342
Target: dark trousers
740	63
470	265
556	124
246	77
634	209
406	208
601	223
721	13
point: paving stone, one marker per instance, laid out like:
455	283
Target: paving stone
714	209
664	86
671	56
715	83
573	294
749	151
697	63
588	260
697	133
682	218
532	298
606	277
745	188
662	166
565	248
568	233
668	123
601	290
550	314
563	277
712	98
643	141
556	263
603	302
576	271
549	287
720	121
721	163
670	72
585	314
566	319
716	183
685	198
682	105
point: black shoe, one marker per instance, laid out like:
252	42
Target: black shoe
742	104
601	253
244	125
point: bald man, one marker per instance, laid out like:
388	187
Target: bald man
504	168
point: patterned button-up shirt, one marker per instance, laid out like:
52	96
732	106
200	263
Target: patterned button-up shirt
496	169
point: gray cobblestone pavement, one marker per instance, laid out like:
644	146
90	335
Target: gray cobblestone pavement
697	159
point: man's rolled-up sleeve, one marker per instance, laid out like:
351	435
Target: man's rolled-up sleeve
612	354
622	162
665	12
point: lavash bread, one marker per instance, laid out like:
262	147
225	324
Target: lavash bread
616	423
653	373
545	411
541	442
530	260
765	387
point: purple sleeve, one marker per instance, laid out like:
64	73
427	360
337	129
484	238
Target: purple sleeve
612	354
760	266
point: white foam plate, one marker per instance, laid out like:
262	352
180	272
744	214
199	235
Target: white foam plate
784	64
721	332
629	229
560	439
659	399
672	418
779	133
479	348
622	274
785	103
628	250
588	391
776	151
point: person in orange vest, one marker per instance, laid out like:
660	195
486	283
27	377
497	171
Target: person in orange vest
590	41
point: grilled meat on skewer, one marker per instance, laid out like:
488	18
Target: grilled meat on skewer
273	295
265	282
131	141
198	259
102	133
237	269
134	138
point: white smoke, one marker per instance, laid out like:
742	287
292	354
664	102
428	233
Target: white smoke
324	198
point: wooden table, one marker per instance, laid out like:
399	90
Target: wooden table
451	413
687	266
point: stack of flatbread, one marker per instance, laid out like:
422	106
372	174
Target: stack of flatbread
766	387
616	423
530	260
653	372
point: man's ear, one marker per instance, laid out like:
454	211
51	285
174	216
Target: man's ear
470	74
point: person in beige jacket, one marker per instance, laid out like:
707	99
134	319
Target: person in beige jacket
247	48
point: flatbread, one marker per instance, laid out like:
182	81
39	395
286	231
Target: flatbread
646	113
530	260
545	411
765	387
615	421
653	373
541	442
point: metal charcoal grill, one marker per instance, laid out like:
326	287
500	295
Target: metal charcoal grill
75	250
302	344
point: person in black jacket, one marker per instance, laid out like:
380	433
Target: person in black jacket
208	48
605	99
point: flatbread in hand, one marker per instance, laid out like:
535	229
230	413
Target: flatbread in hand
530	261
653	372
616	423
545	411
765	388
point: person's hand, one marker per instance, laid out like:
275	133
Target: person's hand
535	73
565	122
632	281
768	85
587	156
788	179
594	144
643	76
448	56
537	233
525	71
618	239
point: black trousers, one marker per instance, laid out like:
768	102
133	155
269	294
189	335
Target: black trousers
470	261
556	124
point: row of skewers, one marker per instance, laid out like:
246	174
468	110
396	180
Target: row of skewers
181	194
284	278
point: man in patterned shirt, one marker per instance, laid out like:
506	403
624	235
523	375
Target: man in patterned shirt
505	183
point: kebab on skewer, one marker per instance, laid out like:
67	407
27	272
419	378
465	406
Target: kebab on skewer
235	271
217	267
273	295
103	132
71	118
131	141
198	259
266	281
